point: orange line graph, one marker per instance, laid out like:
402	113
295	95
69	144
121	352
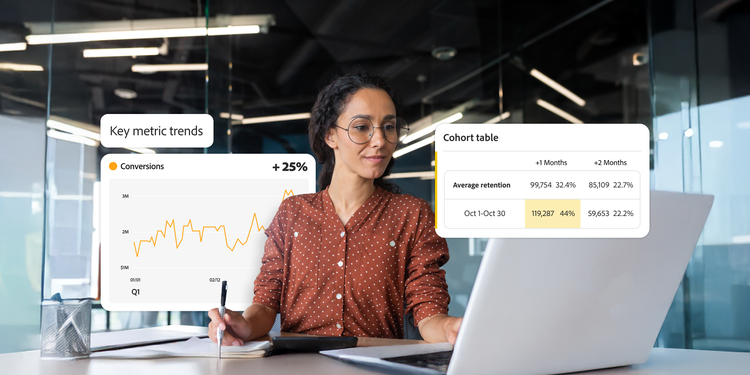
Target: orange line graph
201	232
286	194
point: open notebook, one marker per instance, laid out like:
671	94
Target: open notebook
194	347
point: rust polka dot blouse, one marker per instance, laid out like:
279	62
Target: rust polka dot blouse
329	279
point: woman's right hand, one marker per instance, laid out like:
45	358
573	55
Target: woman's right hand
236	327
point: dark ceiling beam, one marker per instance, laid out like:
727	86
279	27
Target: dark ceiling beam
168	97
296	61
98	78
338	39
278	103
328	24
141	6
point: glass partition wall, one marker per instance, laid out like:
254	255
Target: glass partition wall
679	67
93	77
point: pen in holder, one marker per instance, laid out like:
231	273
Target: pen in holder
66	328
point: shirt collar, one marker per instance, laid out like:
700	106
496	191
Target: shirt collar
363	212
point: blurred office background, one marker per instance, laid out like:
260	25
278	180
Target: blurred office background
682	67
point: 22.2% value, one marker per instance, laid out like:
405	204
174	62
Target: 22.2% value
614	213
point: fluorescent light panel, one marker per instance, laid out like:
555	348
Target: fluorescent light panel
118	52
7	47
557	87
72	138
430	129
21	67
140	34
413	147
153	68
558	111
258	120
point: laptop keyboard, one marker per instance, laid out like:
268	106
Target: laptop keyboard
436	361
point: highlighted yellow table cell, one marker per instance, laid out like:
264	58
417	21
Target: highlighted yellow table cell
553	213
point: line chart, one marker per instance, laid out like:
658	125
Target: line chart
170	235
201	231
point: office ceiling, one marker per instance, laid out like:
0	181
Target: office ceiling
280	72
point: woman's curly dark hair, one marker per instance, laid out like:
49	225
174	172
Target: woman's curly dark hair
331	101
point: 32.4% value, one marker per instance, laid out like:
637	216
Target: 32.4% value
556	185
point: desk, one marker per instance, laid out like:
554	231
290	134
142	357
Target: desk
661	362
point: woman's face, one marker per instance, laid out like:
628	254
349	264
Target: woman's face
370	159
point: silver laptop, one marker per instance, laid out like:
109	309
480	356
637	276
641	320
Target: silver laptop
547	306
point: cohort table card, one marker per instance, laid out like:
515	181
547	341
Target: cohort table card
542	180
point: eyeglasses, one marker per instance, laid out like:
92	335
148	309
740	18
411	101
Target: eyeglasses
361	130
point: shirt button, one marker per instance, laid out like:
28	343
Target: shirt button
343	234
338	296
393	243
338	325
296	234
340	263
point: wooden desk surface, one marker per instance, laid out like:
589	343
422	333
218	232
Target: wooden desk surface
661	362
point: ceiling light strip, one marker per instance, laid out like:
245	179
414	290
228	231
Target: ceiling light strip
430	129
7	47
21	67
235	116
421	175
413	147
57	125
498	118
140	34
258	120
557	87
141	150
153	68
72	138
120	52
558	111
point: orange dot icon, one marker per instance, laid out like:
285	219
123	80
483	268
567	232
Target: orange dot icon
113	166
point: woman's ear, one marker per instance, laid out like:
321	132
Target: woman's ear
331	139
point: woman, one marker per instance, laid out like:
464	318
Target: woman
346	260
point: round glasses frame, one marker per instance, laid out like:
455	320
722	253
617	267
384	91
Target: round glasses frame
402	130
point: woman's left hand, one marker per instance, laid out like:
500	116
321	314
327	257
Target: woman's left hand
451	325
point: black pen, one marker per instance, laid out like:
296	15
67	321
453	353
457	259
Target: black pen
219	331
